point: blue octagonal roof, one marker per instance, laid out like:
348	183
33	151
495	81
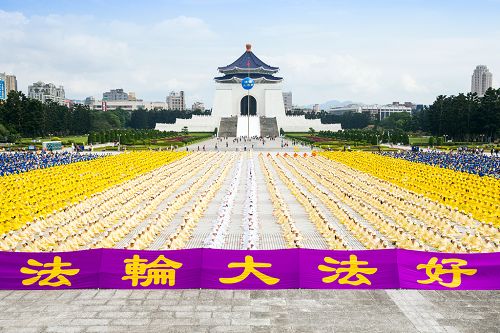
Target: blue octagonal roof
248	62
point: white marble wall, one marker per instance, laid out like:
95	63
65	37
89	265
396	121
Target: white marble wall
227	101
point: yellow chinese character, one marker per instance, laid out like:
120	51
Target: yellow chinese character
55	271
435	270
250	267
352	271
157	272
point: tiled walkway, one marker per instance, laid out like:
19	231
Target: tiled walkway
249	311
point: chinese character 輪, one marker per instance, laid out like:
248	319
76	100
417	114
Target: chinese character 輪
160	271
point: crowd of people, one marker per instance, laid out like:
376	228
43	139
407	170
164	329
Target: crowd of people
317	216
291	234
160	221
463	161
42	193
181	236
220	226
18	162
131	201
251	230
108	217
397	217
469	193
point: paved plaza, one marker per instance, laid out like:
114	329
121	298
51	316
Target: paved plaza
249	311
267	145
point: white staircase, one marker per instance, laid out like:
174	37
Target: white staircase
242	128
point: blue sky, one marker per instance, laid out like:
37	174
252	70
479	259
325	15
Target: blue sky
368	51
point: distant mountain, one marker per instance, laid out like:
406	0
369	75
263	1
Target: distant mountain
331	104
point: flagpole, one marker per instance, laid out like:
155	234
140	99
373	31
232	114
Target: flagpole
248	113
248	105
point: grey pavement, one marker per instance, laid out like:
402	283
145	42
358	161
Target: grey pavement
258	146
249	311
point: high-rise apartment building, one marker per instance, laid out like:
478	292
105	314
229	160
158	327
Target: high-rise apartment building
115	95
481	80
287	100
45	92
9	83
175	101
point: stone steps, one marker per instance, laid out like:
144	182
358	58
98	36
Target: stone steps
269	127
228	127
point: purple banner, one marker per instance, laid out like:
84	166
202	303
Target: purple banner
127	269
431	270
256	269
61	270
365	269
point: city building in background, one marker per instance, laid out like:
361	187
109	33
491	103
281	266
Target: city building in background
316	108
481	80
198	106
375	112
46	92
3	94
115	95
103	105
340	110
175	101
8	83
131	96
383	111
287	100
89	100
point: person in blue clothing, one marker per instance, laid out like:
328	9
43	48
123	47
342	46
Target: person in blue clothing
18	162
468	161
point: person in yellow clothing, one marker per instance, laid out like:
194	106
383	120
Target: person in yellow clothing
469	192
46	190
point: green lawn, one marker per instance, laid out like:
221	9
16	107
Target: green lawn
419	139
75	138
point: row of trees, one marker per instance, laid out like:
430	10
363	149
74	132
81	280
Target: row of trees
461	118
465	117
127	136
373	137
148	119
25	117
21	116
348	120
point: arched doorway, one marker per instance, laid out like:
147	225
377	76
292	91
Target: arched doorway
244	106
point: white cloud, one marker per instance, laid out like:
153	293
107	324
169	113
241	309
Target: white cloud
411	85
319	60
327	76
12	18
89	56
